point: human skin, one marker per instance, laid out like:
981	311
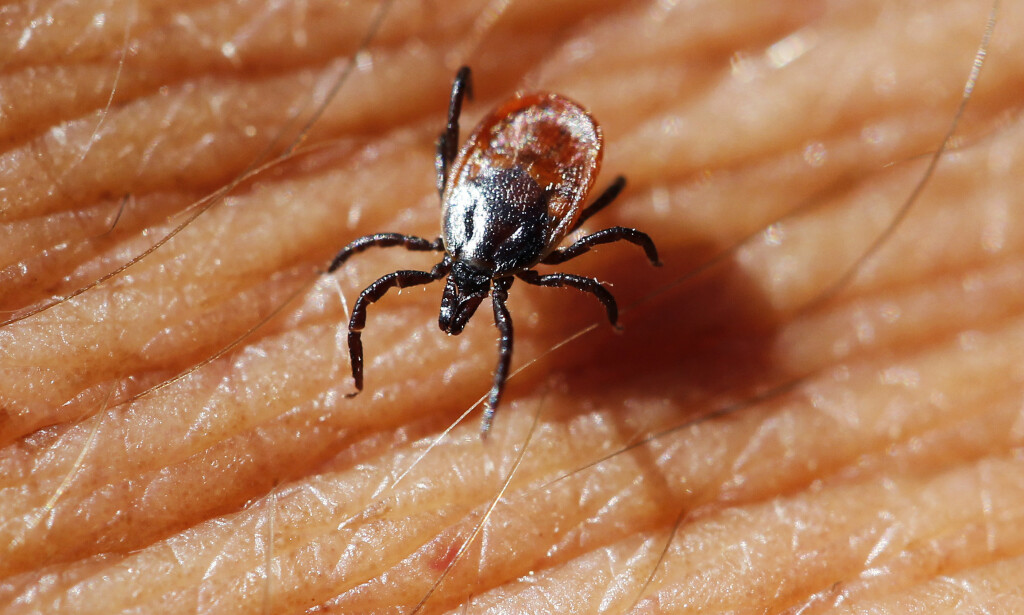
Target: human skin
808	450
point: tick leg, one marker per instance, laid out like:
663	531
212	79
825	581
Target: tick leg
384	240
502	320
448	142
371	294
588	285
608	235
606	198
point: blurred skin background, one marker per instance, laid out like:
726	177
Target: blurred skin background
860	452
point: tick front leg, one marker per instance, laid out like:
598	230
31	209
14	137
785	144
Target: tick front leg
371	294
502	320
608	235
384	240
588	285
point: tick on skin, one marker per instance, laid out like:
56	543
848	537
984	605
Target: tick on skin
508	199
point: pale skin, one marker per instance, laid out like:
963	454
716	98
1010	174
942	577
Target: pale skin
884	479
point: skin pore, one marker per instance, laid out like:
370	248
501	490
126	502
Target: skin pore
880	471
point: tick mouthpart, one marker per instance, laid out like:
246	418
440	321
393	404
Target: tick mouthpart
465	289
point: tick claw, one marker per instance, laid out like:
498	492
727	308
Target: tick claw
352	394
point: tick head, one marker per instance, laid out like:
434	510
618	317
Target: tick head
465	289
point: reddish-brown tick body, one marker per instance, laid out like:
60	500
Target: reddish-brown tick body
509	198
519	183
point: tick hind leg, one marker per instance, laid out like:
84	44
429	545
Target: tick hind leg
606	198
371	294
587	285
384	240
608	235
448	142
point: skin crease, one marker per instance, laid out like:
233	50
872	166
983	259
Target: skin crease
884	478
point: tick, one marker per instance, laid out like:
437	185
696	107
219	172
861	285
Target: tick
508	199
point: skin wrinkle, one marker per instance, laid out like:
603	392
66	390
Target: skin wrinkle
899	453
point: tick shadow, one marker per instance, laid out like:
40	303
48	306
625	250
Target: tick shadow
693	345
689	326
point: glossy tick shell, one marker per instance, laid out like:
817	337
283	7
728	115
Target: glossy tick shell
509	197
519	182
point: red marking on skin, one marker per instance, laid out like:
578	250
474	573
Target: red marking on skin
445	556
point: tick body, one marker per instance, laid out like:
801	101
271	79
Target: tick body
509	198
